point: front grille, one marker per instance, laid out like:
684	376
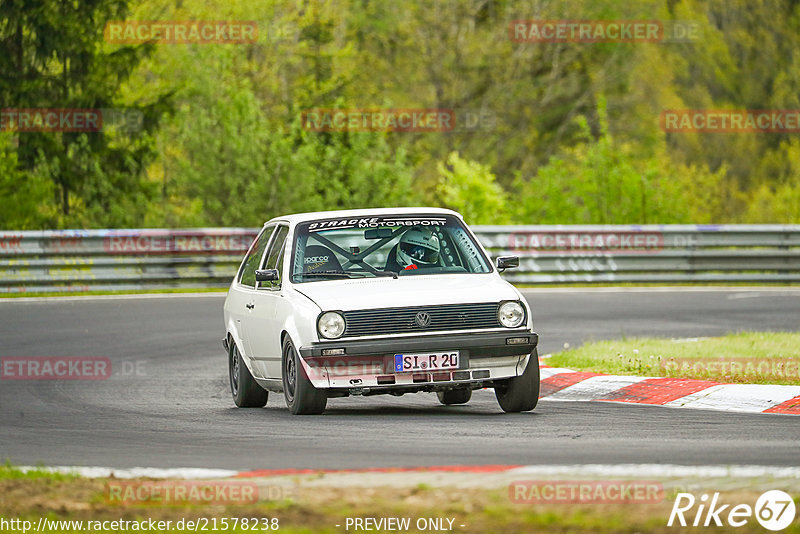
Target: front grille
403	320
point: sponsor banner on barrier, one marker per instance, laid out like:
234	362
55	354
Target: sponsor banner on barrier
586	491
600	241
63	245
10	243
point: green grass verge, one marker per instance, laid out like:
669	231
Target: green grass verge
10	472
320	509
744	358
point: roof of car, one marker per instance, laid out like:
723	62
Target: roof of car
311	216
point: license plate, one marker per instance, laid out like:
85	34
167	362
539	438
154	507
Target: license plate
428	361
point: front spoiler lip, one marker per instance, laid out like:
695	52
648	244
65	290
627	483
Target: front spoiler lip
483	345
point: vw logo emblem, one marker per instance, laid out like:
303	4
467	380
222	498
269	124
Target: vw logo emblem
422	319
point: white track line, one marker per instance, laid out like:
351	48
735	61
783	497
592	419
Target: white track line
136	472
595	387
547	372
663	289
585	470
122	296
661	470
738	397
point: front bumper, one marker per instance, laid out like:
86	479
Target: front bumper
368	364
484	345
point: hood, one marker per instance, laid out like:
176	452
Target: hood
386	292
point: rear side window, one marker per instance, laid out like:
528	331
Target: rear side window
247	274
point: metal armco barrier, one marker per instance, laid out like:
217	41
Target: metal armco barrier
102	260
85	260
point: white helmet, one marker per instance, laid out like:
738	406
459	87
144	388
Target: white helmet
419	246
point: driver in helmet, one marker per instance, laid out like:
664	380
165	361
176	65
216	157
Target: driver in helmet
418	248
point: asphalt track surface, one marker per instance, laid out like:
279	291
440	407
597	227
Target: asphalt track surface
176	411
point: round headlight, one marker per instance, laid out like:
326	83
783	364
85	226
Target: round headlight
331	325
511	314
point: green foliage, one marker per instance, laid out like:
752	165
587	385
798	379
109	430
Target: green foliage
243	171
575	135
778	201
25	197
604	181
51	56
775	204
470	188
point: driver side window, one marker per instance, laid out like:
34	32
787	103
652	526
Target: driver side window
275	256
247	274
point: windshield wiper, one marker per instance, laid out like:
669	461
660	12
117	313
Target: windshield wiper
339	274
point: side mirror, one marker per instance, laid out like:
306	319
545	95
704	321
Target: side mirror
267	275
507	262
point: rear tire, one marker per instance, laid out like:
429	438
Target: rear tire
454	396
302	398
245	390
521	393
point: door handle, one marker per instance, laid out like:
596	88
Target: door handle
250	306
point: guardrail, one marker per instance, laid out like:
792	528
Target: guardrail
85	260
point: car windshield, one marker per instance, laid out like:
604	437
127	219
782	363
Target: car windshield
400	245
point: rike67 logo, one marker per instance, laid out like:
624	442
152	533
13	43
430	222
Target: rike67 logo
774	510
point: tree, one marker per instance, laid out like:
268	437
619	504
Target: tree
471	189
604	181
52	56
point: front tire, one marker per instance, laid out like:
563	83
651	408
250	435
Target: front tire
302	398
454	396
245	390
521	393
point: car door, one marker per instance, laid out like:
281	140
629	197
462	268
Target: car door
264	320
241	297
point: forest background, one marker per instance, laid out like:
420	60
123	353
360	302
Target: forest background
547	133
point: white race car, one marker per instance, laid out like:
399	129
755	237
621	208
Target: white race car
366	302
